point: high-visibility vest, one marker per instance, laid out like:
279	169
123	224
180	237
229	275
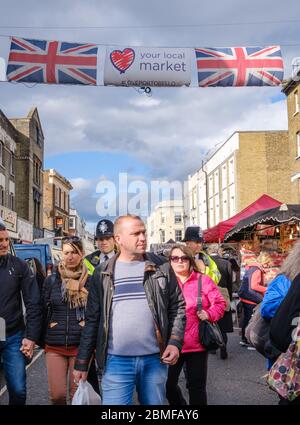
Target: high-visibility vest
211	269
89	266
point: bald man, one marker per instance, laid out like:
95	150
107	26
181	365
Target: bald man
135	320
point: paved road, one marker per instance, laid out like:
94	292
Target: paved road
235	381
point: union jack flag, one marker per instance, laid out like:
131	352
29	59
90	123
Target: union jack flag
239	66
52	62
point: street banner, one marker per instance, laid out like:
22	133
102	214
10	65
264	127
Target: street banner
239	66
144	66
52	62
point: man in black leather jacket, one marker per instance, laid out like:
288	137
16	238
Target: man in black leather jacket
17	343
135	319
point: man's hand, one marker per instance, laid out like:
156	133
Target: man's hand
79	375
170	355
27	347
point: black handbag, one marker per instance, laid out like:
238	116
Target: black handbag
210	335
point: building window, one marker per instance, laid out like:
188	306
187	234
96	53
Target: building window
72	223
178	235
2	193
56	196
162	236
37	172
296	102
11	204
298	144
59	197
162	218
1	154
177	218
11	164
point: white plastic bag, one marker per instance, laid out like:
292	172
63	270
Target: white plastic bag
85	394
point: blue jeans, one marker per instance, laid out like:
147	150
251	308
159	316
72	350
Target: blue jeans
14	368
123	373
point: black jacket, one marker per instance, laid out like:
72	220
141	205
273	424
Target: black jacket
225	270
16	278
165	302
286	317
94	258
224	266
64	326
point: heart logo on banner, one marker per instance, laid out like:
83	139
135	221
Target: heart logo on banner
122	60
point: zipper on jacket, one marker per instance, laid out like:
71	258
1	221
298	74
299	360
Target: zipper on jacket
67	325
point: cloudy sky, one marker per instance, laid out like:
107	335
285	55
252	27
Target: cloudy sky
94	133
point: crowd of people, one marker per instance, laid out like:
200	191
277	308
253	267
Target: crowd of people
127	320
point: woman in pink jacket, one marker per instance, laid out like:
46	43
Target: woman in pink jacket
193	354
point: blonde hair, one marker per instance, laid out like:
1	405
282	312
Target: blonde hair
291	266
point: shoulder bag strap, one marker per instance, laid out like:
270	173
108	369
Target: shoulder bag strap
199	297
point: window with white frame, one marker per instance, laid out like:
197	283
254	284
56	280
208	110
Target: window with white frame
177	218
162	236
296	97
298	144
72	222
162	217
178	235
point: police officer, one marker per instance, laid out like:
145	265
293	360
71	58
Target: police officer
193	238
106	245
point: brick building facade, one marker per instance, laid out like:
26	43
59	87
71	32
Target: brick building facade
56	202
29	170
292	91
248	165
8	145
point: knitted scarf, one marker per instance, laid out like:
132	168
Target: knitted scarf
73	281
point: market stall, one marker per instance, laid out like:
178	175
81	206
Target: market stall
216	233
272	232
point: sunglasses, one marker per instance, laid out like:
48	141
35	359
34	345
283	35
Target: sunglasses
176	259
71	239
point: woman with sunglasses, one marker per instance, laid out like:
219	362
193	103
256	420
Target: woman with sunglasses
64	300
193	354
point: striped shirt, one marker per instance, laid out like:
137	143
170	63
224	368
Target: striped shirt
131	329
